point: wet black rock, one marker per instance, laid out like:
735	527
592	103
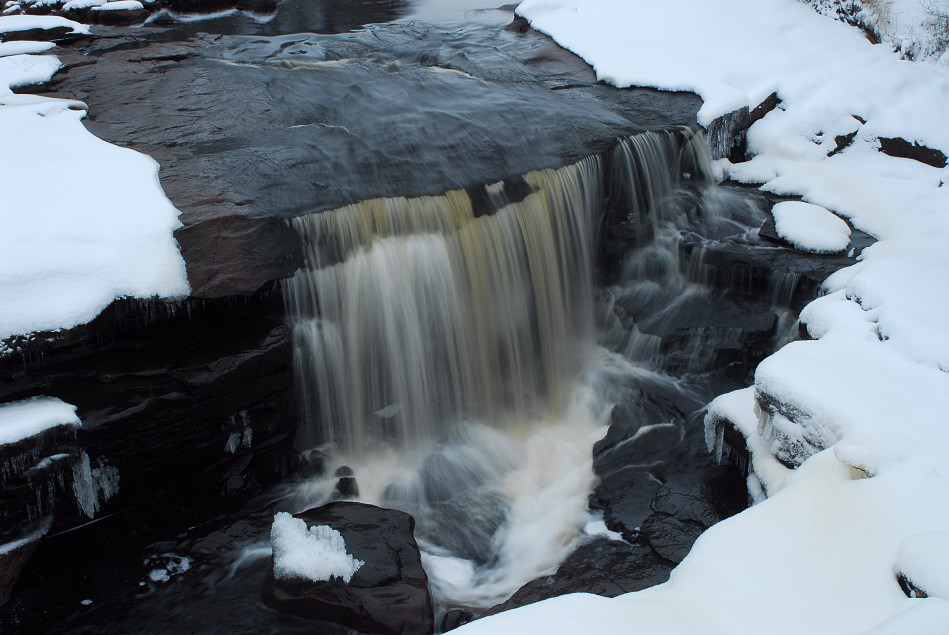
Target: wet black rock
388	594
604	567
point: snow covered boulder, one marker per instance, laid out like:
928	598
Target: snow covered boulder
119	12
45	28
351	564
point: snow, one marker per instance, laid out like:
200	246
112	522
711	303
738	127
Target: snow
11	23
317	553
119	5
84	222
811	227
857	416
23	419
23	47
912	28
924	560
74	5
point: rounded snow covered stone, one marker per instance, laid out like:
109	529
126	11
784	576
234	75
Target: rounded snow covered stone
922	565
387	593
811	227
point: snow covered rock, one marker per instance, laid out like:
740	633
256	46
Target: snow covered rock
810	227
378	584
43	28
922	565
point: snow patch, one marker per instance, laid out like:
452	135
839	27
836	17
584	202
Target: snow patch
317	553
23	419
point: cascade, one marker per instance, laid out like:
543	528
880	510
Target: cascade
447	354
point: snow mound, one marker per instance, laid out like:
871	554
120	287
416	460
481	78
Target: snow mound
317	553
811	227
23	419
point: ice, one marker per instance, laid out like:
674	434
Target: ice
317	553
811	227
23	419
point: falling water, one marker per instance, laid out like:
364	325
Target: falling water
414	314
446	352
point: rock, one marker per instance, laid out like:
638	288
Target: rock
114	17
625	499
670	538
897	147
604	567
455	618
13	557
388	594
237	255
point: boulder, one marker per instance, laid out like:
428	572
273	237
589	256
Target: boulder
387	594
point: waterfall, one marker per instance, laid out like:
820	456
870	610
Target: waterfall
414	314
446	351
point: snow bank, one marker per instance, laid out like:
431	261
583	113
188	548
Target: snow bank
317	553
918	29
83	222
23	419
847	433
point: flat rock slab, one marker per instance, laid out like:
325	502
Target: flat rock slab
388	594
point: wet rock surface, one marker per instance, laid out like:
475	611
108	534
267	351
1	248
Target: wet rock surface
387	594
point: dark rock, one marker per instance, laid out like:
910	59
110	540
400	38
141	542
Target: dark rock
346	487
13	559
236	255
670	537
625	499
771	102
115	17
388	594
455	618
61	34
902	148
843	142
909	588
604	567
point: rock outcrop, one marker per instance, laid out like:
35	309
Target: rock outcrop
387	594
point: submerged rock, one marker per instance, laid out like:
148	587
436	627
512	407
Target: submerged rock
387	594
